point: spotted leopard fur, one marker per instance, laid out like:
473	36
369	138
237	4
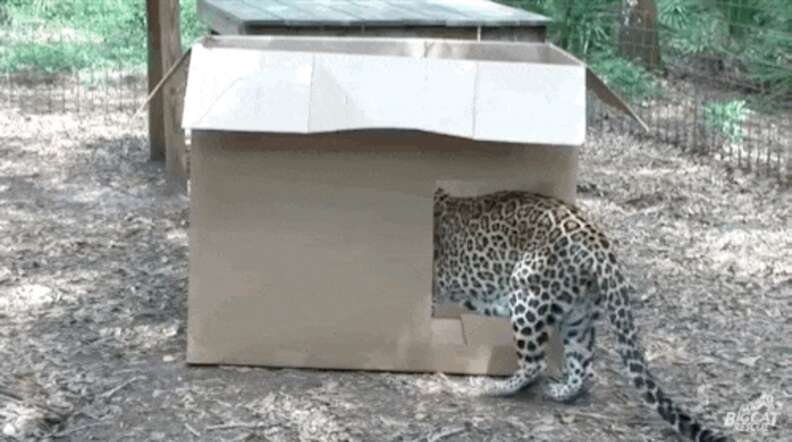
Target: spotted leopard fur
539	262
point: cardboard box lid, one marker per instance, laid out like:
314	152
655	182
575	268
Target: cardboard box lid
488	91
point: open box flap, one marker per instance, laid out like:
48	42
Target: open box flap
604	93
296	91
488	91
598	86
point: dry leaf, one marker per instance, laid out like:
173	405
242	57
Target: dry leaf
749	361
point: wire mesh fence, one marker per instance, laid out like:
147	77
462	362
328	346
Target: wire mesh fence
78	56
62	70
713	77
86	91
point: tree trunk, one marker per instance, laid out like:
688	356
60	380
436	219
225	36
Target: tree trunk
638	39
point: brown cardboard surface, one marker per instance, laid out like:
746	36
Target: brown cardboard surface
316	250
314	162
483	330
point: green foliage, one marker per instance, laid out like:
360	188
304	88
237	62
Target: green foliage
5	16
51	57
689	27
191	27
631	80
583	27
76	34
740	15
588	29
727	117
754	36
751	38
766	57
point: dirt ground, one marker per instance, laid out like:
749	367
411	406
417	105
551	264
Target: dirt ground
93	260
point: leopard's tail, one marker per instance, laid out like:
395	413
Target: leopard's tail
617	292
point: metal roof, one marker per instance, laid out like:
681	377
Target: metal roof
355	13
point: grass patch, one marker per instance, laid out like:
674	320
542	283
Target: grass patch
68	35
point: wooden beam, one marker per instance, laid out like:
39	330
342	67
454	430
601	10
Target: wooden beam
165	134
173	98
155	71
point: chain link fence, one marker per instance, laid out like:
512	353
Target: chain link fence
713	77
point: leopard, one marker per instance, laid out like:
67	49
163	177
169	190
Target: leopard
539	262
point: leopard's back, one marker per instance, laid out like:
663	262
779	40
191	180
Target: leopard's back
480	240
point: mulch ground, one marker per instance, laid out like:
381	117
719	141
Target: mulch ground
93	274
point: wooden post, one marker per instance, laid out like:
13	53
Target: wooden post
155	72
164	49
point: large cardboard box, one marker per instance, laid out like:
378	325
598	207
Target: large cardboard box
313	165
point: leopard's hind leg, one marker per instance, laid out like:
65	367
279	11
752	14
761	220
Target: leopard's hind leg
530	318
578	334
